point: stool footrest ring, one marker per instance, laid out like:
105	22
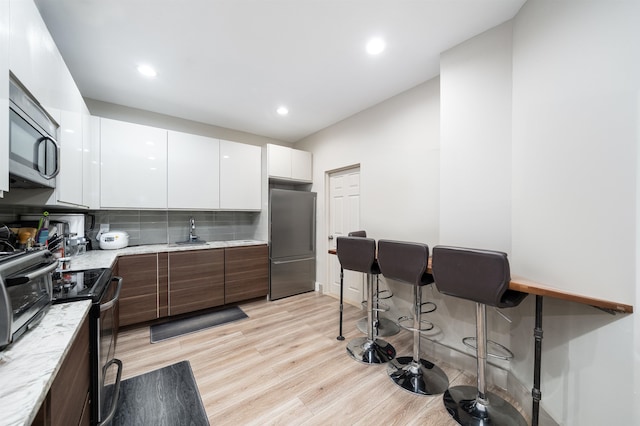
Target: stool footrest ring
429	310
382	294
429	325
506	353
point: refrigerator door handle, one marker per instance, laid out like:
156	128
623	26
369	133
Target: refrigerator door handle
282	262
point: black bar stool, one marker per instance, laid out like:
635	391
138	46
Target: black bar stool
381	326
407	263
359	254
481	276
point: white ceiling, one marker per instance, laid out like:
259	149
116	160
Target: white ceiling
231	63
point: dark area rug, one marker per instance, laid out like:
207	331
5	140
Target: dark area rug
195	323
168	396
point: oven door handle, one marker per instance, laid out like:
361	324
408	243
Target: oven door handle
22	279
116	391
110	303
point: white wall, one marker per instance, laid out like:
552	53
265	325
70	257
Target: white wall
575	81
576	68
475	145
396	144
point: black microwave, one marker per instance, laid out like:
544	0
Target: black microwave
34	154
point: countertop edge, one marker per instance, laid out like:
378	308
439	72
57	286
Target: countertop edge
25	387
106	258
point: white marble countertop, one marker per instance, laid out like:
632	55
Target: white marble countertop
105	258
29	366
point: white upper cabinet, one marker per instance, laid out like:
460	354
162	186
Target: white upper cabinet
33	56
301	165
279	161
133	170
4	97
289	164
69	184
240	176
35	61
193	172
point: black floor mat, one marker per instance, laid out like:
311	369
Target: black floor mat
195	323
168	396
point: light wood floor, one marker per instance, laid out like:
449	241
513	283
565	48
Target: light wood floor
283	365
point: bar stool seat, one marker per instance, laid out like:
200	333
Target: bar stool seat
407	263
359	254
481	276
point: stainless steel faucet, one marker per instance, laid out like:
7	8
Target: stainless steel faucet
192	229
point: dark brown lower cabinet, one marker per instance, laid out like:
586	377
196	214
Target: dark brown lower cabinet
67	403
196	280
139	293
246	273
165	284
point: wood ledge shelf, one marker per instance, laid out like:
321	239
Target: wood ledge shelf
527	286
531	287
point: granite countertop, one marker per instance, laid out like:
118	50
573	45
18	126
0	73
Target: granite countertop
106	258
29	366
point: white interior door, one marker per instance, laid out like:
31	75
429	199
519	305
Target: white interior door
344	217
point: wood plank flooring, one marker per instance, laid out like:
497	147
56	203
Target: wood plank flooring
283	365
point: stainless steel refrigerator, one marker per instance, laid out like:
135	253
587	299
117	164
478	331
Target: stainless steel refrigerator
292	242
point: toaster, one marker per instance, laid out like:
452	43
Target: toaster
113	240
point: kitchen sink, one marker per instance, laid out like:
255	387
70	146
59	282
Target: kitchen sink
188	243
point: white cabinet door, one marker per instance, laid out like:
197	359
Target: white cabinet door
91	160
240	176
4	97
301	165
193	172
33	56
279	161
289	164
133	166
69	184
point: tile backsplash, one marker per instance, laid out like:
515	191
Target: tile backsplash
162	227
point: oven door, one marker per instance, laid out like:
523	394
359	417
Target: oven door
109	369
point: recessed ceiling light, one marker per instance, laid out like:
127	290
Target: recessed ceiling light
147	71
375	46
282	110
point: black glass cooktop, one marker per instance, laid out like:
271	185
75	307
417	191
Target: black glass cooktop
89	284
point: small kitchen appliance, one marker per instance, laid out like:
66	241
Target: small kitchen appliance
34	154
113	240
25	291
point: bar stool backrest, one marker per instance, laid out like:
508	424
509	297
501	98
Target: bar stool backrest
357	254
482	276
362	234
404	261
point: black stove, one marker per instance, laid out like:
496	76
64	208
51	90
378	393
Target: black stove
76	285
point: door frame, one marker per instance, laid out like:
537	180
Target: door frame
327	220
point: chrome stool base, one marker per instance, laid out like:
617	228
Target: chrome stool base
369	351
386	327
423	378
461	404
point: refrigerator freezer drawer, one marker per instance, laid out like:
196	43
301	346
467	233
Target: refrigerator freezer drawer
290	277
